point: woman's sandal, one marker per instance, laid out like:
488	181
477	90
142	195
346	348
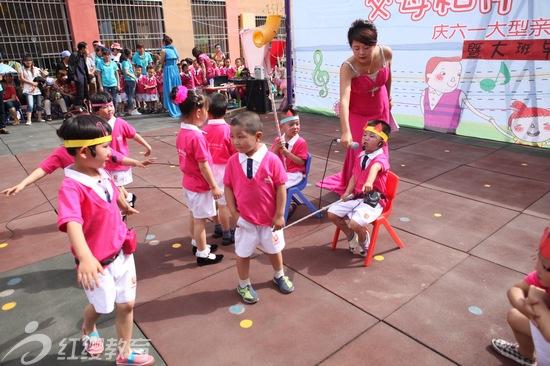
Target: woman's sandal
92	344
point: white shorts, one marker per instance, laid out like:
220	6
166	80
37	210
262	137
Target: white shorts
357	211
293	179
121	97
117	285
248	236
140	97
201	205
218	171
542	346
151	98
121	177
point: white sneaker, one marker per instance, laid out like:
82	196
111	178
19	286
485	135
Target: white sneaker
135	112
28	123
353	243
365	245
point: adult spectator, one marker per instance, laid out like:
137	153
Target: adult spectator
78	72
64	63
116	50
11	102
27	75
130	81
218	55
171	77
142	58
205	64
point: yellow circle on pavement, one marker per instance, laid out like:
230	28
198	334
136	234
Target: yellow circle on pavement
9	306
3	245
247	323
176	245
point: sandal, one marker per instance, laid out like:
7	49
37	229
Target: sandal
92	344
135	358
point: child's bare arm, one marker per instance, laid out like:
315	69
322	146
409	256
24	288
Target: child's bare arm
349	189
125	207
295	159
89	266
231	203
517	295
37	174
537	298
209	177
136	163
140	140
279	219
373	172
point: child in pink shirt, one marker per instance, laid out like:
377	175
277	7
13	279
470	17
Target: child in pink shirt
187	79
217	133
229	70
60	159
199	186
291	148
370	172
256	196
150	84
140	88
102	105
89	214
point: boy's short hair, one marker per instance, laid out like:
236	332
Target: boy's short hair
100	98
384	127
250	121
138	67
217	106
140	45
149	67
83	127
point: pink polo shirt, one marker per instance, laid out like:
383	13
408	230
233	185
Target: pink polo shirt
256	198
361	175
83	200
298	147
218	136
192	149
533	279
122	131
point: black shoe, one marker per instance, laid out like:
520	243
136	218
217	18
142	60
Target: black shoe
213	248
207	261
217	233
4	131
133	202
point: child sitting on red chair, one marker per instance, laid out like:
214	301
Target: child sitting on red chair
364	200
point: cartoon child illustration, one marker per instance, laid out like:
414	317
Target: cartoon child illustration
441	102
529	126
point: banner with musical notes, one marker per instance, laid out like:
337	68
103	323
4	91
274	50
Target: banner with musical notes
471	67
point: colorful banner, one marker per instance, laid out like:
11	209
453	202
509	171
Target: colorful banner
488	58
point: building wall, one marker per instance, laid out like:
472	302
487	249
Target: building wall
179	25
261	7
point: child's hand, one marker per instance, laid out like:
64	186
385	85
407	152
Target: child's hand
346	196
278	222
278	145
216	192
87	273
13	190
149	151
367	187
144	163
130	211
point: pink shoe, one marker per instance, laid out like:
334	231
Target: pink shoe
92	344
135	358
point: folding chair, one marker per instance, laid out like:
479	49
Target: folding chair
391	191
295	193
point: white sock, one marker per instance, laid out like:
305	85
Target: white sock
193	242
244	283
129	197
280	273
204	253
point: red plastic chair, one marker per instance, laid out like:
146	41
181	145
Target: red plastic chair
391	191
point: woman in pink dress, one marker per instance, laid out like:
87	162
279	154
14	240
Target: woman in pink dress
365	85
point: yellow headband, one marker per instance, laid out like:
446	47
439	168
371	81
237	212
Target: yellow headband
91	142
376	132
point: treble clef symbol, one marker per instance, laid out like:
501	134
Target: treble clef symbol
320	77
